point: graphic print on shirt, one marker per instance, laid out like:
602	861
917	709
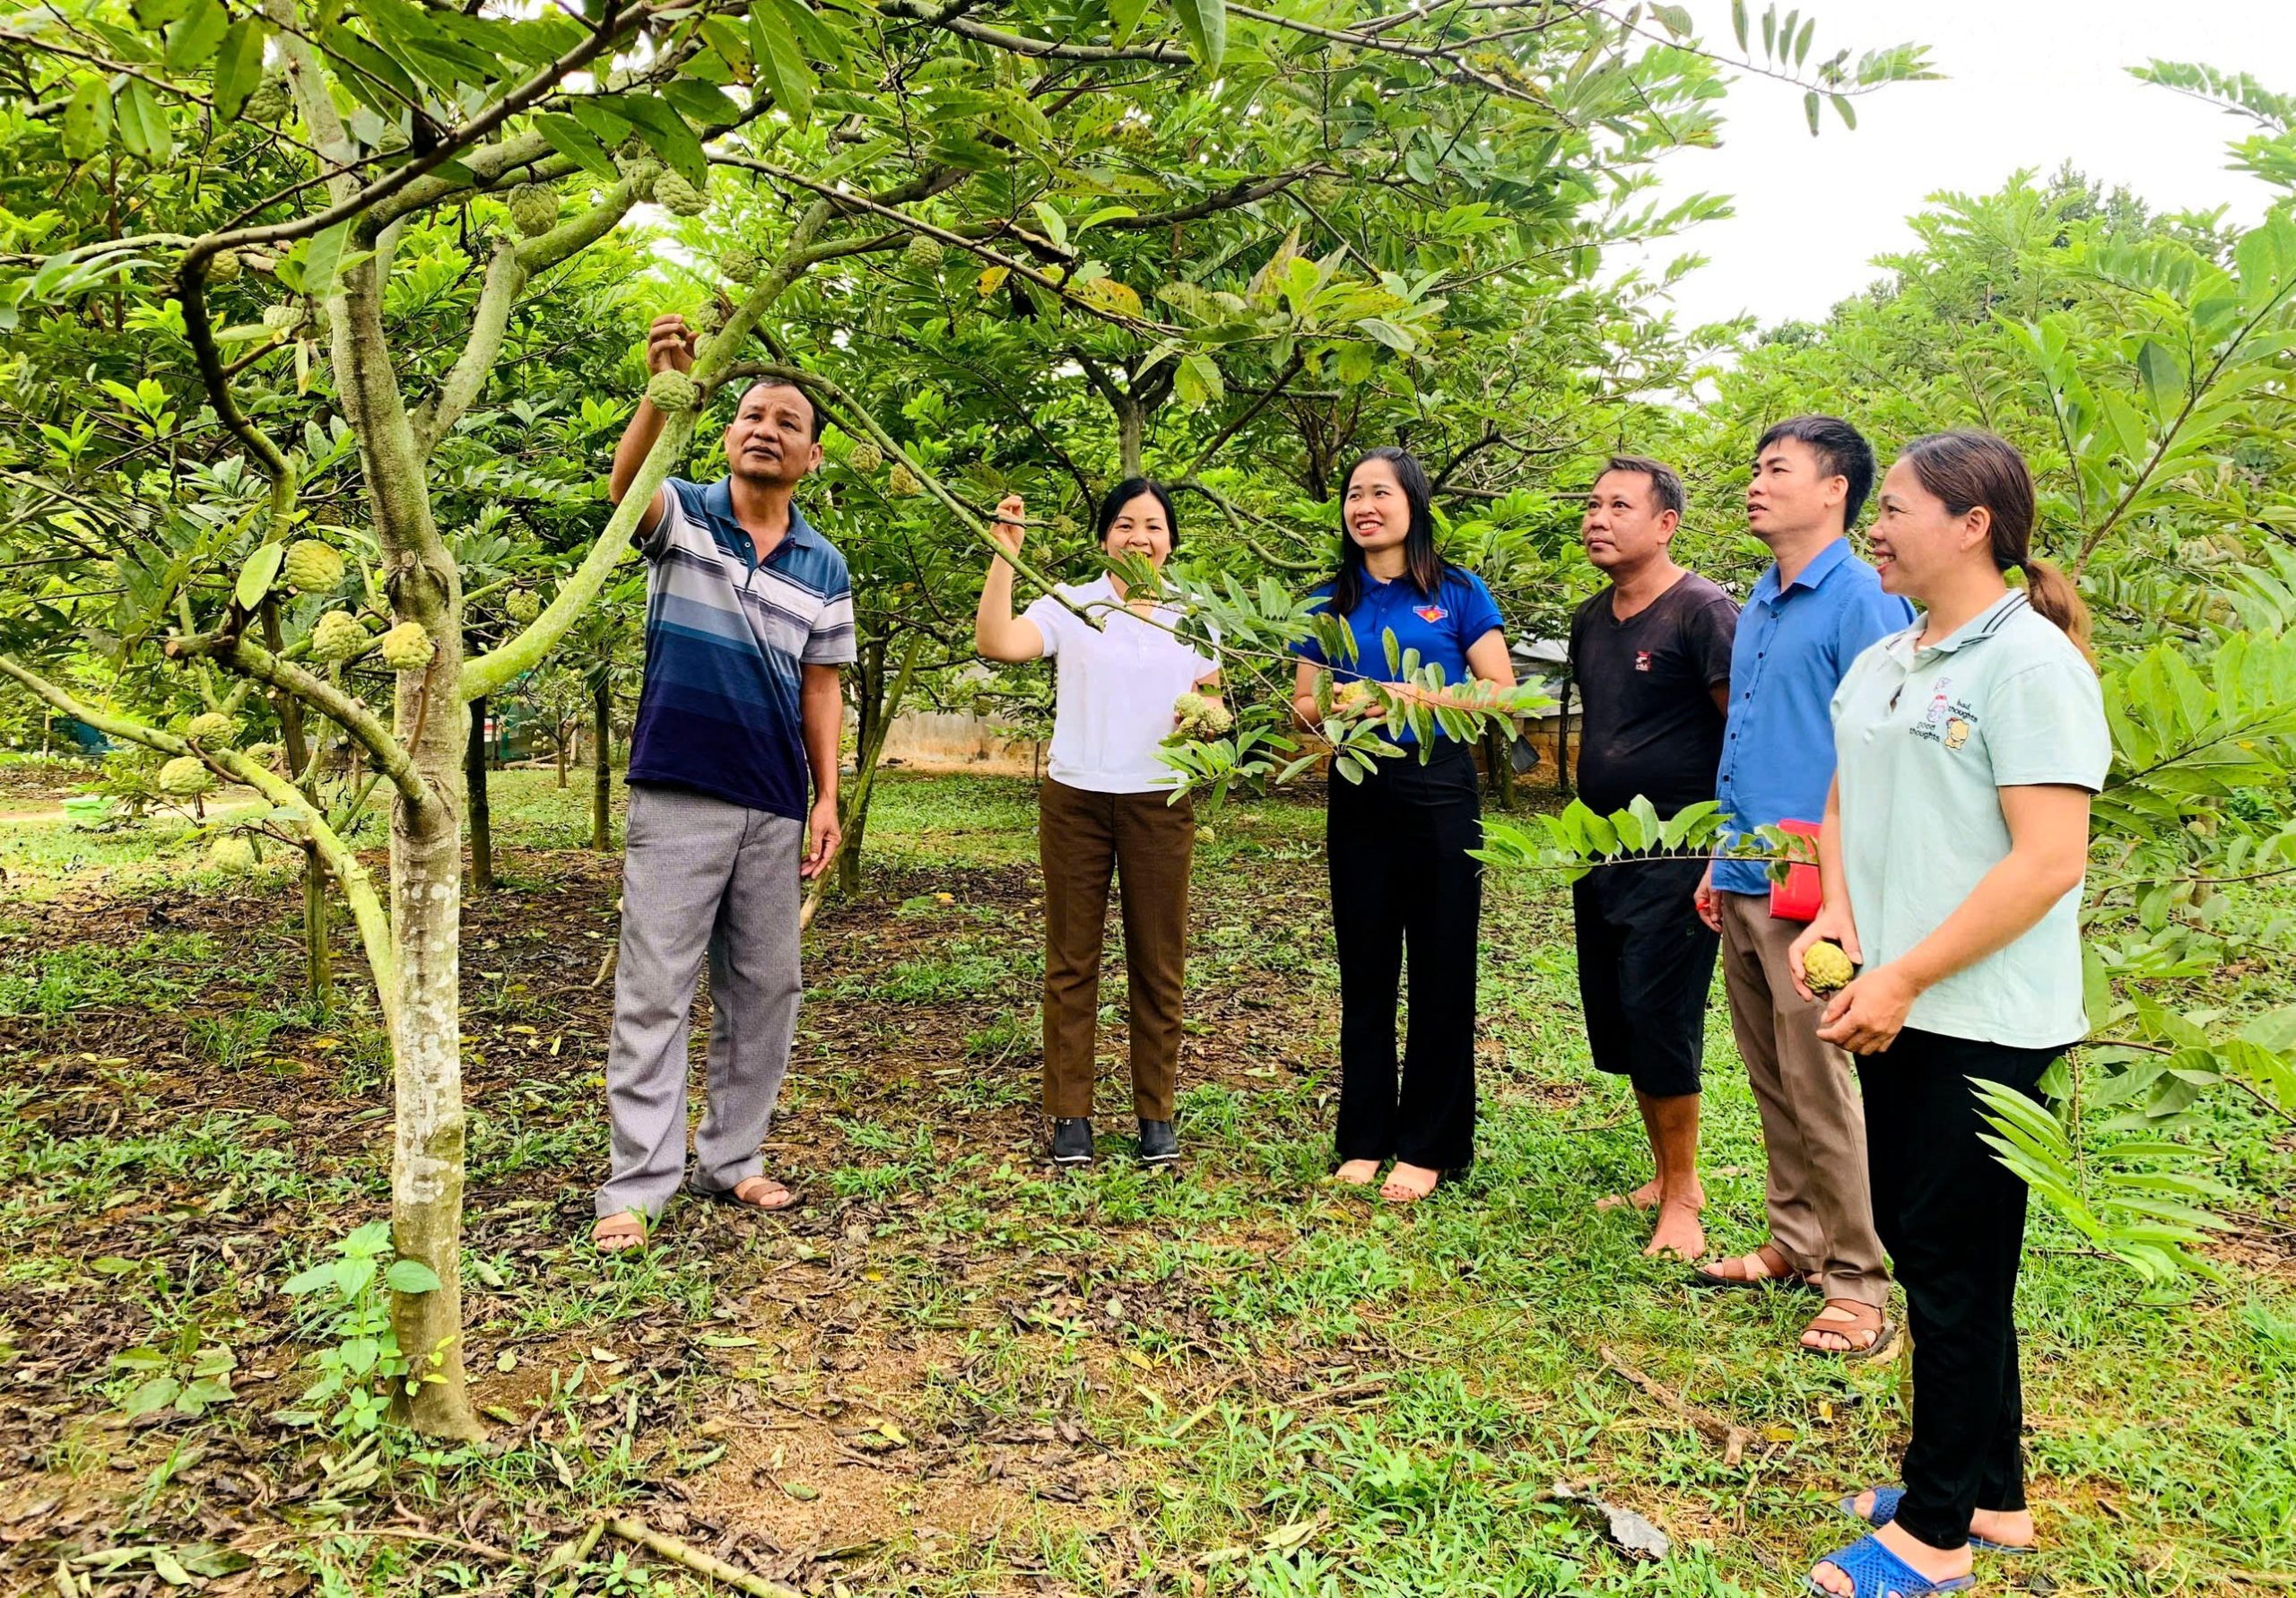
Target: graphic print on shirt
1949	721
1432	613
1642	660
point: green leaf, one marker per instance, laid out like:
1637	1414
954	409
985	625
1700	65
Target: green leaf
87	120
1124	16
411	1276
255	577
666	133
238	66
1847	112
1739	24
324	259
576	142
1389	334
157	1393
1205	23
699	102
1810	111
2161	378
144	123
195	34
780	62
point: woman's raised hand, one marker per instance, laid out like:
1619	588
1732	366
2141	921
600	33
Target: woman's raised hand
1011	525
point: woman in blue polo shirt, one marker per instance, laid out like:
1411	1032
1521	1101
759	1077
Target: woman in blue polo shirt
1397	841
1953	852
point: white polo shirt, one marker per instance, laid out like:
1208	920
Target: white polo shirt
1928	739
1115	685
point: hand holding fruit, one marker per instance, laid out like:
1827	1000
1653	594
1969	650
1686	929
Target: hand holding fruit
1825	957
1011	525
669	345
1195	715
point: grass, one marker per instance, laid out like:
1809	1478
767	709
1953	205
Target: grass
1240	1381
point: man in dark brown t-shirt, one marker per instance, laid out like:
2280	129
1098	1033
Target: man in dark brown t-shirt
1650	656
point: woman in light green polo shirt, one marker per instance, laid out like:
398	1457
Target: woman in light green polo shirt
1956	840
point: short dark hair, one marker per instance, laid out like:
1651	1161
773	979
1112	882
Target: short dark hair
1841	451
812	403
1124	493
1666	487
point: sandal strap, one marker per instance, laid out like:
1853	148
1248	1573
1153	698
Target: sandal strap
1875	1572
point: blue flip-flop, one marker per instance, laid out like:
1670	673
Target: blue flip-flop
1885	1510
1875	1572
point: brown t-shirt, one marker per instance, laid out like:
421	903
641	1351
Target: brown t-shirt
1650	726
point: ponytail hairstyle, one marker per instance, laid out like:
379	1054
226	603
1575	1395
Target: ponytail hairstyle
1970	468
1422	565
1123	494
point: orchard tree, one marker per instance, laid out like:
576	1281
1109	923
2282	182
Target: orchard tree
302	254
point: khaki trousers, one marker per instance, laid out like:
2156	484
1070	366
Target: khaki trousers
1812	1125
1145	843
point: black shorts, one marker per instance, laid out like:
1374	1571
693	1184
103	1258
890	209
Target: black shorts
1645	962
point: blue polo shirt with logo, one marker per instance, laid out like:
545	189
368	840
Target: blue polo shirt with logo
1793	647
726	638
1442	627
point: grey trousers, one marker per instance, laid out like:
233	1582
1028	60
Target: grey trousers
700	876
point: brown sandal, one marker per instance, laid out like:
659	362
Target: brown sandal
1765	1267
1848	1319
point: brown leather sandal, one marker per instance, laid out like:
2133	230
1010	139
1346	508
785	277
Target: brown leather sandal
1850	1320
1765	1267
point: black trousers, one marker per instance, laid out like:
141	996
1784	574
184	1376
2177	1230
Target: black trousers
1402	884
1646	965
1954	1220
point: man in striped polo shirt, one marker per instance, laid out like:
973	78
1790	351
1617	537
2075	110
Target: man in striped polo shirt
749	613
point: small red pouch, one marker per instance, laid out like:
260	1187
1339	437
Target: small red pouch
1798	897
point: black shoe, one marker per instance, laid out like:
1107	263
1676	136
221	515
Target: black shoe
1072	1141
1159	1143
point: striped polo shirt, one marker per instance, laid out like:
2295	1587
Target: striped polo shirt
726	637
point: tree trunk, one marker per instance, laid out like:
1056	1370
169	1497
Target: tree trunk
602	766
482	815
561	738
1131	429
870	714
854	822
426	915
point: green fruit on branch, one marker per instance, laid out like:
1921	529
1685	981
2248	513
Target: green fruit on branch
283	317
212	727
312	567
902	484
407	648
710	317
339	636
643	172
923	253
271	101
1825	968
673	391
866	459
263	754
1325	191
232	853
741	265
679	197
524	605
185	777
1207	835
534	209
224	266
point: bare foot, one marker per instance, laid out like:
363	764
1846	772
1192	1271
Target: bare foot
1408	1183
619	1233
1357	1173
1935	1564
1677	1233
1645	1197
2004	1528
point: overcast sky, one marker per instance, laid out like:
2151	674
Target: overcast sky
2027	83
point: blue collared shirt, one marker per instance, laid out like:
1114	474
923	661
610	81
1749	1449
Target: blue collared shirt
1791	653
1441	625
726	638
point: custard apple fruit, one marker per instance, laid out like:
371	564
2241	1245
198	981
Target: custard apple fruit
673	391
1825	968
185	777
212	727
741	264
523	605
534	209
865	459
271	101
338	636
232	853
925	253
311	566
1324	191
902	482
224	266
406	647
679	197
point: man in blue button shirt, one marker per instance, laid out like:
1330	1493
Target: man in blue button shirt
1812	612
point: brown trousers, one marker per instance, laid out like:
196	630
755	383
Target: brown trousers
1145	843
1813	1124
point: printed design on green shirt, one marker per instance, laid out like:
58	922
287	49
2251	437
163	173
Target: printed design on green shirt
1948	721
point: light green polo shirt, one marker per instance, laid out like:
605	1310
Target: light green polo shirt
1925	738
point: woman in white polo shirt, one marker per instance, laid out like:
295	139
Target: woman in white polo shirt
1953	853
1107	808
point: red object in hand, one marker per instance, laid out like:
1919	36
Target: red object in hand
1798	897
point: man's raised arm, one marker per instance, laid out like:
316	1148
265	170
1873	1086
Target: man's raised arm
669	348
